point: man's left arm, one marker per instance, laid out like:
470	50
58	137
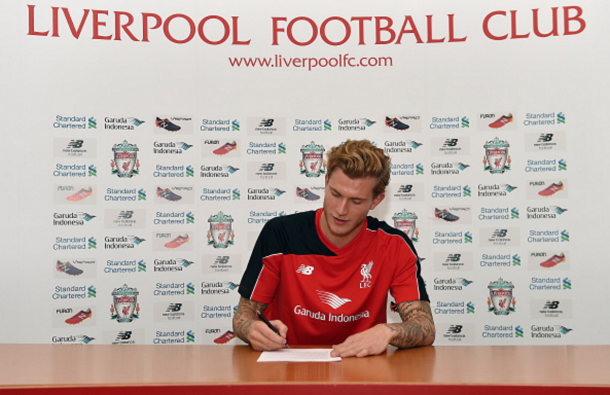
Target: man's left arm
415	330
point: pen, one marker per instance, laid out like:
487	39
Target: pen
270	326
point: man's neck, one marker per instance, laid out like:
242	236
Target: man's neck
336	240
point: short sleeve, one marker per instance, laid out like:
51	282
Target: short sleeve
262	275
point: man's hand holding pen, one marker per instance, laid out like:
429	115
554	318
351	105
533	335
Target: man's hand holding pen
262	338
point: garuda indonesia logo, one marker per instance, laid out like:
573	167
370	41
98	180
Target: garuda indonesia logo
496	158
312	162
501	300
407	222
125	162
221	233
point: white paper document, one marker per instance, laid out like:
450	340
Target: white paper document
298	355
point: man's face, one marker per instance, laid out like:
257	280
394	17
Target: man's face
346	204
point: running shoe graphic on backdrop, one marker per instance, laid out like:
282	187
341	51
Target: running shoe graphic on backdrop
396	124
551	189
502	121
178	241
80	195
446	215
553	261
307	194
228	336
226	148
168	195
66	267
167	125
80	317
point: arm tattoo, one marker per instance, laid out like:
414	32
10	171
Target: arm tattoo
245	316
417	326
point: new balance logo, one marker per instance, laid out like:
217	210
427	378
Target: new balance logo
125	215
551	305
500	233
267	167
545	137
173	308
455	329
453	258
126	335
75	144
266	123
221	260
450	143
307	270
405	189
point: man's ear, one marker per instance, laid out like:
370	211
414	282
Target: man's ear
325	180
378	199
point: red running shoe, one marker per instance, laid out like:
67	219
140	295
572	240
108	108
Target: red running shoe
228	336
502	121
177	242
551	189
80	195
80	317
554	261
225	149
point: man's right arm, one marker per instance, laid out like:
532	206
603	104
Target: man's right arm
250	329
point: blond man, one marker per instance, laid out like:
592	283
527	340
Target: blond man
322	277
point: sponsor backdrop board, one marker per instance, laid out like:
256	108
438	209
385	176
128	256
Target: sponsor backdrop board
147	143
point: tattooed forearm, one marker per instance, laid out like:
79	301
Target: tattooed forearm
417	328
245	316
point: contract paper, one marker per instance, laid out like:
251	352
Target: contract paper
298	355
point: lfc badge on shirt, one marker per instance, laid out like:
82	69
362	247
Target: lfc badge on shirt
365	270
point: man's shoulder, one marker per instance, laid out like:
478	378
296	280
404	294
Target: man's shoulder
382	229
294	234
391	239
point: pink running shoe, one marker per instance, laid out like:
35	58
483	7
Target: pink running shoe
177	242
80	195
225	149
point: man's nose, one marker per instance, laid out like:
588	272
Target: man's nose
342	207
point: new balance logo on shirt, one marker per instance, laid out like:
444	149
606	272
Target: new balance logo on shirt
307	270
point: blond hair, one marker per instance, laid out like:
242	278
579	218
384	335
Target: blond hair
360	159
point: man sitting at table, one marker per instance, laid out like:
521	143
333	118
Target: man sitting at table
322	277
